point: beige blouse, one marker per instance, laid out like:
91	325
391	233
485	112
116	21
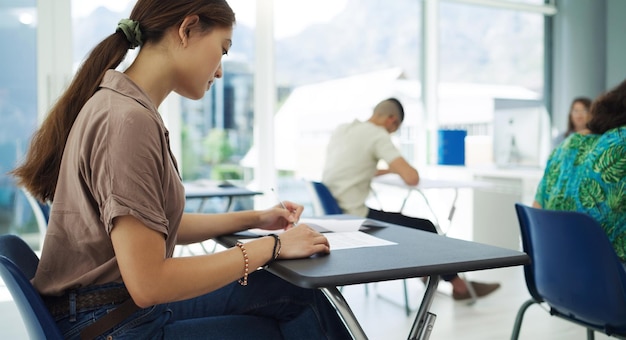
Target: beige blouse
117	162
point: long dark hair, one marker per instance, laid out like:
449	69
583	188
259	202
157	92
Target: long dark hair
608	111
40	169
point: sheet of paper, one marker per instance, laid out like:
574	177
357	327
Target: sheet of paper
348	240
354	239
334	225
322	225
341	233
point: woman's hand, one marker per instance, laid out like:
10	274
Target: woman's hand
280	218
302	241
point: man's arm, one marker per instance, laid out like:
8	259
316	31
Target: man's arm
408	173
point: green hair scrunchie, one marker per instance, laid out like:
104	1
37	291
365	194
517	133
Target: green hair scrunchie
131	30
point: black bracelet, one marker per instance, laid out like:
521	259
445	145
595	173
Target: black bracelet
276	250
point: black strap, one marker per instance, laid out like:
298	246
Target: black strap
109	321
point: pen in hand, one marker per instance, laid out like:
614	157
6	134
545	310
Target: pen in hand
293	224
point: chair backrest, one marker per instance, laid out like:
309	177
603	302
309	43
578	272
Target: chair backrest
323	201
574	267
18	264
41	211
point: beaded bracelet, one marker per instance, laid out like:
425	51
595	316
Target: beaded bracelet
276	250
244	280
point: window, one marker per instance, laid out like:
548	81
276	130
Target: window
312	46
482	62
217	130
507	49
18	109
337	68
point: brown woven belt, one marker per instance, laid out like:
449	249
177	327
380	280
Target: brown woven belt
60	305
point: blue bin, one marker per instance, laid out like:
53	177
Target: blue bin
451	144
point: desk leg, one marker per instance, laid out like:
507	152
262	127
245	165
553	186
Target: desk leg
452	208
201	206
424	320
229	204
337	300
406	198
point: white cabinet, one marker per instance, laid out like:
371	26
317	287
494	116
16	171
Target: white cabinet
494	218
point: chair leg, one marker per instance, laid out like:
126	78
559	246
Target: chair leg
519	318
407	308
590	334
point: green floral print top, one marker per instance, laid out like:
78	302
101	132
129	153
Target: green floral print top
587	173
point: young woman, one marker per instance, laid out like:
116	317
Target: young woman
577	119
102	156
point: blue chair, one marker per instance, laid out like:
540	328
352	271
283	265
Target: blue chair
41	211
18	264
323	201
574	270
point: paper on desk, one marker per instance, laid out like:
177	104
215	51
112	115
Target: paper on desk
322	225
354	239
348	240
333	225
341	233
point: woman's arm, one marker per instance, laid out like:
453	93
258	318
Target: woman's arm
201	227
152	278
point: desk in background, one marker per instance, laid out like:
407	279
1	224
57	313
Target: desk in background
492	202
204	190
426	184
417	253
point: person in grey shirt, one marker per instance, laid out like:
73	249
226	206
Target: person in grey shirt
352	158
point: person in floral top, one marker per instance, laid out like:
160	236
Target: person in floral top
587	172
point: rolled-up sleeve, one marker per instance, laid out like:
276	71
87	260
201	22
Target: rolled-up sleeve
128	170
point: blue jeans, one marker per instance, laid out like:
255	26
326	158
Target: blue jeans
267	308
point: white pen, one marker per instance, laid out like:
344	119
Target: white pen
281	203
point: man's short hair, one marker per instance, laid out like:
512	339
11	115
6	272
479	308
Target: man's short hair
399	106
